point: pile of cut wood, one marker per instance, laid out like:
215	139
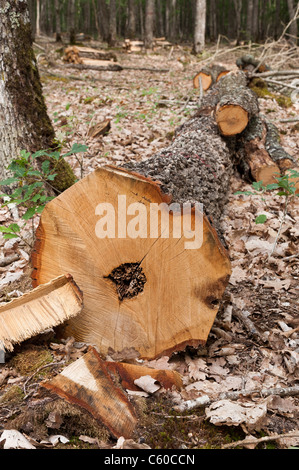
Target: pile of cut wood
131	45
89	58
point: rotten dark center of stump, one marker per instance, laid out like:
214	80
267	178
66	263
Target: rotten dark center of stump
129	279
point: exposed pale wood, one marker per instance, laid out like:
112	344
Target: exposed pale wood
87	383
209	75
44	307
231	119
76	53
177	304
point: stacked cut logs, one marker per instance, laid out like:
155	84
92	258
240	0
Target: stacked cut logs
257	146
130	45
89	58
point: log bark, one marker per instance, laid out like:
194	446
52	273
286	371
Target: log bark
75	53
90	64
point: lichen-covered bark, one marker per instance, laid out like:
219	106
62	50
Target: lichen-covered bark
24	122
196	167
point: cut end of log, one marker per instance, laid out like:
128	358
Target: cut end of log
206	81
144	290
231	119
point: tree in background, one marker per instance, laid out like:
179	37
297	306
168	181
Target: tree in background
200	26
149	23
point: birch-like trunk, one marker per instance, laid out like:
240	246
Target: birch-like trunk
200	26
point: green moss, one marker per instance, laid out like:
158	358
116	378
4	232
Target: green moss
13	395
31	358
260	88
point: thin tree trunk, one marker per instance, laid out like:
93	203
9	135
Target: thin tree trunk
149	23
293	30
37	28
238	9
131	19
72	21
58	25
255	20
213	21
200	27
112	23
249	20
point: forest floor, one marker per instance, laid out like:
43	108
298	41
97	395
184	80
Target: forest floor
254	342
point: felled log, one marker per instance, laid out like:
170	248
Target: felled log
142	289
254	160
75	54
133	45
93	64
249	63
209	75
236	104
44	307
87	383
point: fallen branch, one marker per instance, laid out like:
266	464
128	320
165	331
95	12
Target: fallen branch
205	400
249	440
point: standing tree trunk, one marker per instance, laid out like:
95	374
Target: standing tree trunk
24	122
58	24
293	30
149	23
72	21
238	9
213	21
112	23
37	28
200	26
249	20
132	20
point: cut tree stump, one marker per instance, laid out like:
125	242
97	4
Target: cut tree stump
154	294
44	307
209	76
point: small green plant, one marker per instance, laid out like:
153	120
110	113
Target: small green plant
30	185
285	186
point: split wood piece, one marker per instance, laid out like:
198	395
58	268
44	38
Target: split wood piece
209	75
236	104
93	64
44	307
254	160
154	294
101	128
249	63
87	383
128	373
